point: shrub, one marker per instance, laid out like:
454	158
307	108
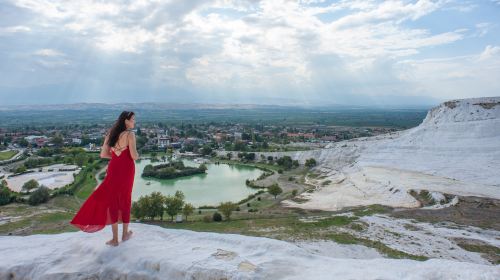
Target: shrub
41	195
207	218
227	209
217	217
294	192
31	184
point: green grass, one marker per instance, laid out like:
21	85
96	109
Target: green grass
371	209
7	154
85	185
333	221
490	252
345	238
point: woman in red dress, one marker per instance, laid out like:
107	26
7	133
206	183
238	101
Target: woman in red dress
111	201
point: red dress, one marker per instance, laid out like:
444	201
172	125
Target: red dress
111	201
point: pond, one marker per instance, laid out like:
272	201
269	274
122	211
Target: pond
222	182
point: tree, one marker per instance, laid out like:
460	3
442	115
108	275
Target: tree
151	206
203	167
285	161
5	194
310	162
139	208
227	209
188	210
275	190
179	194
206	150
174	204
157	206
81	159
58	141
31	184
41	195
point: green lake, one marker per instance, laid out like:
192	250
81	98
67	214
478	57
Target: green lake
222	182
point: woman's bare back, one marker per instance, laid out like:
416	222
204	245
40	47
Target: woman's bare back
121	144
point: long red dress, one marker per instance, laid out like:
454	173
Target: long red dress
111	201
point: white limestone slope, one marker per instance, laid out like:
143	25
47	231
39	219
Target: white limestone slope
455	150
158	253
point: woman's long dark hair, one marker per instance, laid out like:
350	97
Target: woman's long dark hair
118	127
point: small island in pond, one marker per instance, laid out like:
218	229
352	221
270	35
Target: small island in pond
171	170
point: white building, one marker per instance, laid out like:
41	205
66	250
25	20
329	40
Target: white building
163	141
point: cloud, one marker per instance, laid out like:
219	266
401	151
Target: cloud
14	29
271	48
49	52
489	52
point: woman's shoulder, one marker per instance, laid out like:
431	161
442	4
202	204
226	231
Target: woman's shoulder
130	133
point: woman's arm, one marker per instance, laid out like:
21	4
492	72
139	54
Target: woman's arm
105	149
132	146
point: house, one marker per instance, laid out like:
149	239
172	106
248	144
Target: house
163	141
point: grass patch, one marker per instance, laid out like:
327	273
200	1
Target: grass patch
313	175
371	209
345	238
490	252
333	221
85	185
5	155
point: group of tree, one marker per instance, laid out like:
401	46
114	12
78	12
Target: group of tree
172	170
156	205
310	162
246	156
287	163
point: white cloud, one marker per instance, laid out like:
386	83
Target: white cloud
472	75
14	29
483	28
490	52
49	52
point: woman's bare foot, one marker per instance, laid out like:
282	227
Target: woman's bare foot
112	242
126	236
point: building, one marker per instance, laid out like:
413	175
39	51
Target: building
163	141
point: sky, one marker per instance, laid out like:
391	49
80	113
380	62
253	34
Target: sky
310	52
